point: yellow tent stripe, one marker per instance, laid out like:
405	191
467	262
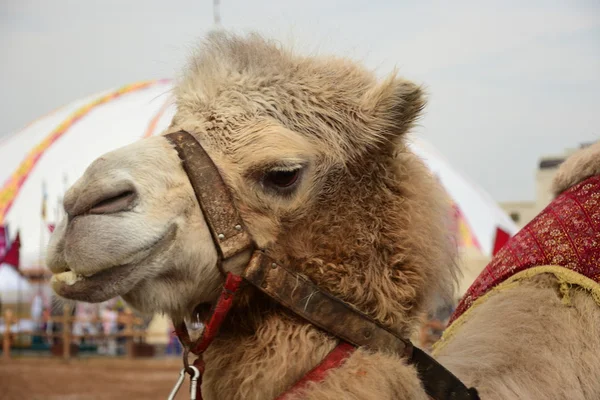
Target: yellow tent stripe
13	185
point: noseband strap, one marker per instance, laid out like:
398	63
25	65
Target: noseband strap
289	288
226	227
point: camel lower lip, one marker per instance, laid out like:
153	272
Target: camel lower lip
111	282
95	288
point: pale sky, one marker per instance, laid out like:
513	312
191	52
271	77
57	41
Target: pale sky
509	81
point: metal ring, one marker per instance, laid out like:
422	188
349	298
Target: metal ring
195	372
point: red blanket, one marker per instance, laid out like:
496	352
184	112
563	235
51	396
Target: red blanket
566	233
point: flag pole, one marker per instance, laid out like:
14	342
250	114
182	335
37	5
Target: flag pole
43	223
65	188
18	314
216	14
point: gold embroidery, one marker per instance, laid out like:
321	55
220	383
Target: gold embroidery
568	280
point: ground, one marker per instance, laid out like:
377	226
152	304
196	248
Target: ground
89	379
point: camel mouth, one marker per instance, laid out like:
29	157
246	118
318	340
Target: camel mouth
111	282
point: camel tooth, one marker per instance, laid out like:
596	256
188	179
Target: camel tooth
68	278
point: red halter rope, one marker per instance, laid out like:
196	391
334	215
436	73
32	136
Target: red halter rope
211	329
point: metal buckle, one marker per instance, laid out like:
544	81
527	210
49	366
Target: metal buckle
194	382
195	374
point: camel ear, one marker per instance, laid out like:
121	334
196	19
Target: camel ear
395	105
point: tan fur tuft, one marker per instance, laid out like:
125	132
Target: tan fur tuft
577	168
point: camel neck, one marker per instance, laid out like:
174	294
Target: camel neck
263	363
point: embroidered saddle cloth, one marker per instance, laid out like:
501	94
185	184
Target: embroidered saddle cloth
564	239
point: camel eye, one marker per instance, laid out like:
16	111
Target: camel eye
282	179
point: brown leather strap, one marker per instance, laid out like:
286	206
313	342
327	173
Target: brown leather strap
438	382
320	308
308	301
226	226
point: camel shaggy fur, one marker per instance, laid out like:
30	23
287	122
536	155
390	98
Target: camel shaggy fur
314	151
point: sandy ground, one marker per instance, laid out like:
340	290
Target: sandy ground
89	379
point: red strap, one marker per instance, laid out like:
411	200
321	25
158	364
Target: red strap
333	360
219	312
232	284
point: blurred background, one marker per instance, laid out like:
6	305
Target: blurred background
514	88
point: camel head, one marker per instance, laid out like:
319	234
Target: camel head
314	153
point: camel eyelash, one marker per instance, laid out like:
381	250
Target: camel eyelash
260	170
285	168
280	179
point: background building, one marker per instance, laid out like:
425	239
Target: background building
521	212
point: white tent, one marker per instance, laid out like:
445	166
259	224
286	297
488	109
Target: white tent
53	151
14	288
481	213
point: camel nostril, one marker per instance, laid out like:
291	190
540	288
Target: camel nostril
114	204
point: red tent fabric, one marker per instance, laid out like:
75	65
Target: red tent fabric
13	255
501	239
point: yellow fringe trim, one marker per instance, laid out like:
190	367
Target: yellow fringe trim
566	278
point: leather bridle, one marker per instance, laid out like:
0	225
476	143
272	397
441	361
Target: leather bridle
345	322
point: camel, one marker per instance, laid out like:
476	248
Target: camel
314	151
